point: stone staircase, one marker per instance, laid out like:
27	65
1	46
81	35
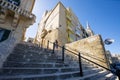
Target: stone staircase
30	62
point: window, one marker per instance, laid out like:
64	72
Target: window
15	2
4	34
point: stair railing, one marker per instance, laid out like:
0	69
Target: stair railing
117	73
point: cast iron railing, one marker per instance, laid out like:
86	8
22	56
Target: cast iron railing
117	73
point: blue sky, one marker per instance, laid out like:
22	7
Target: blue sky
102	15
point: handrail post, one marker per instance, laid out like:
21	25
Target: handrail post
80	65
63	53
119	76
48	44
118	73
42	44
53	48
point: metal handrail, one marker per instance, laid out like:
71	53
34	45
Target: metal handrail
78	52
79	55
89	55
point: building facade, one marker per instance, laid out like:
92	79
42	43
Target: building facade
60	24
15	17
116	58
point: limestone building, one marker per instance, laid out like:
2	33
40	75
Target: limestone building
15	17
116	58
61	24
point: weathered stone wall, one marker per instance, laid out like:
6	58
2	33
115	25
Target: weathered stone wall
17	24
15	36
91	48
6	47
56	25
27	5
62	31
51	36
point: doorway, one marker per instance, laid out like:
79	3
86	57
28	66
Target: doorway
4	34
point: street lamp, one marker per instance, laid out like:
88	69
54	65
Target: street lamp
108	41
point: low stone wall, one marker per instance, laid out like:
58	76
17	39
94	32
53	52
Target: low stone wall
91	48
6	48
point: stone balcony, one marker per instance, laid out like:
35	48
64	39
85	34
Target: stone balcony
16	9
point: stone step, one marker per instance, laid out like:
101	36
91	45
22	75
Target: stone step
43	64
102	76
27	49
28	52
54	76
32	57
92	76
14	62
106	77
33	64
20	62
32	54
109	76
20	45
36	60
114	77
30	49
30	70
30	62
90	71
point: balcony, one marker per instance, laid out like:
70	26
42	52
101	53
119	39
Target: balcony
77	33
8	5
15	2
68	17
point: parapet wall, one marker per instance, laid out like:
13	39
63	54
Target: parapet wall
91	48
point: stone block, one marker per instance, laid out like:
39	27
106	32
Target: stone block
91	48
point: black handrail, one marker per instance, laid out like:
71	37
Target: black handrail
55	43
63	51
81	73
80	65
74	52
97	58
86	55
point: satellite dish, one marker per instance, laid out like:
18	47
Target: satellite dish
108	41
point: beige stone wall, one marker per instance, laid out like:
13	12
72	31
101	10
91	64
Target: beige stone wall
16	35
27	4
51	36
52	21
17	24
49	22
91	46
55	22
62	32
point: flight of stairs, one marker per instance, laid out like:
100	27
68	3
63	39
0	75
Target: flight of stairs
30	62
